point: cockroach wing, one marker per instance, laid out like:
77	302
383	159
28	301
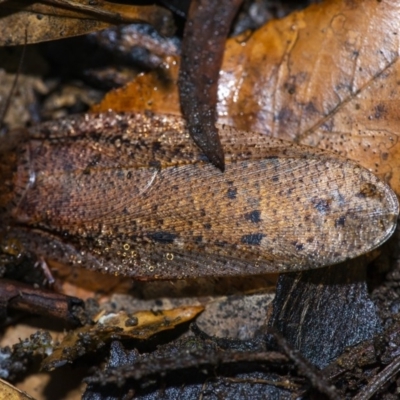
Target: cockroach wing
131	194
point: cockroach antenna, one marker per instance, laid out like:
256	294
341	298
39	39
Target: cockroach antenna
4	109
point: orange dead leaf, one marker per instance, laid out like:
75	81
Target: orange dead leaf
10	392
328	76
155	91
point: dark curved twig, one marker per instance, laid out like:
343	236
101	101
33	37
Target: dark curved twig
379	380
203	46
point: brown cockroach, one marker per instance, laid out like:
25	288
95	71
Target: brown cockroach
131	194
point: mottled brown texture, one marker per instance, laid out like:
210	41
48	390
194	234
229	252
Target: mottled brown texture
130	194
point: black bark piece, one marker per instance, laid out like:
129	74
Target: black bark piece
321	312
190	369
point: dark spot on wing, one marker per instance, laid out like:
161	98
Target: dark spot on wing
368	190
156	146
94	161
340	221
253	216
380	111
198	239
231	193
298	246
310	108
284	115
291	88
340	199
253	239
163	237
322	205
207	226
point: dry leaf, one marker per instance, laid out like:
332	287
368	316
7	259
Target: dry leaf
26	22
10	392
140	325
156	91
327	76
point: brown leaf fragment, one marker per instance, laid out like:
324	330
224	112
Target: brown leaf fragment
203	43
140	325
10	392
56	19
23	297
